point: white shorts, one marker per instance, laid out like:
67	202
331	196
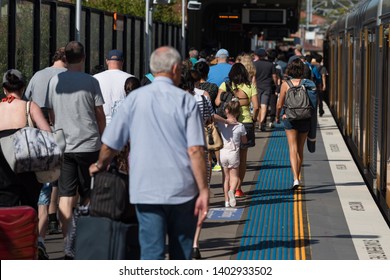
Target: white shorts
230	156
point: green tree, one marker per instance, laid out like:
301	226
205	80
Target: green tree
165	13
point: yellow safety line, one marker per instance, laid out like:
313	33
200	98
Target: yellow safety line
302	234
296	228
299	235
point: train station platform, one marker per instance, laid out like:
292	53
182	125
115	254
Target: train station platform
332	217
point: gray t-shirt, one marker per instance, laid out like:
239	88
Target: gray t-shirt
161	122
73	97
37	87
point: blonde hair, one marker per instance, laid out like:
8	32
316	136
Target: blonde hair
247	61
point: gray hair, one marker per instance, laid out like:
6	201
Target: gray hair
163	59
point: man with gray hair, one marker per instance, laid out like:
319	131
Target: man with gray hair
163	124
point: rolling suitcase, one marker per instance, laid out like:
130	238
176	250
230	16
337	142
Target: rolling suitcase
100	238
18	233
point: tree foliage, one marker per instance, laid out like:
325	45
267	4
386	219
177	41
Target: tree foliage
165	13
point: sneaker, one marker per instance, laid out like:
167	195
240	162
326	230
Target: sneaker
239	193
217	168
295	185
232	199
262	127
53	227
227	205
271	125
42	254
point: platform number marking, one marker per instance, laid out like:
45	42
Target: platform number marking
374	249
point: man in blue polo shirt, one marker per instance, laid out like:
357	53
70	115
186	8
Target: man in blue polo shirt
168	182
219	73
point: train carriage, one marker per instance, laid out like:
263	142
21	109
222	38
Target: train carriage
358	60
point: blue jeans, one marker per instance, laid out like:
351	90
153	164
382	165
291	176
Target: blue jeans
156	221
45	194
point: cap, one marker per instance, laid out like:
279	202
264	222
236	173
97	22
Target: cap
260	52
115	55
222	53
15	72
298	47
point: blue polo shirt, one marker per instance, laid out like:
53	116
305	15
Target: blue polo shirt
219	73
161	121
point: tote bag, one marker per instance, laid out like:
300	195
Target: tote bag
32	149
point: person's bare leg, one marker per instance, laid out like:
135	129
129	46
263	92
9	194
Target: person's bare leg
301	144
226	182
292	140
242	167
43	220
263	114
65	212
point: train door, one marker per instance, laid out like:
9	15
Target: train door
339	78
350	84
346	78
385	188
333	73
371	120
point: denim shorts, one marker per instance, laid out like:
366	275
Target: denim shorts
45	194
264	95
299	125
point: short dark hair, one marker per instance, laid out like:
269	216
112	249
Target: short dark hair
131	84
295	69
74	52
13	80
203	68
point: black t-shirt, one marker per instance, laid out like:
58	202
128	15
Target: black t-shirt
264	71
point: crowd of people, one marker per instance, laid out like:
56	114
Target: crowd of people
158	120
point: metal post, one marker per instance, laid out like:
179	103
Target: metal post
148	31
78	19
183	29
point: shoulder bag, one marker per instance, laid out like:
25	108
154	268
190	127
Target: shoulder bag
30	149
213	135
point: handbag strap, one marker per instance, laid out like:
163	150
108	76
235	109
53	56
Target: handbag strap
206	107
29	121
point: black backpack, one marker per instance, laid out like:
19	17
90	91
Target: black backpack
226	97
297	102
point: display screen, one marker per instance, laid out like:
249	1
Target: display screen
264	16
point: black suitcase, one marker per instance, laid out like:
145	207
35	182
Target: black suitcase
100	238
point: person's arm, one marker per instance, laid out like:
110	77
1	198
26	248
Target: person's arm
280	103
105	156
100	118
218	118
255	105
218	98
38	117
323	82
198	166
